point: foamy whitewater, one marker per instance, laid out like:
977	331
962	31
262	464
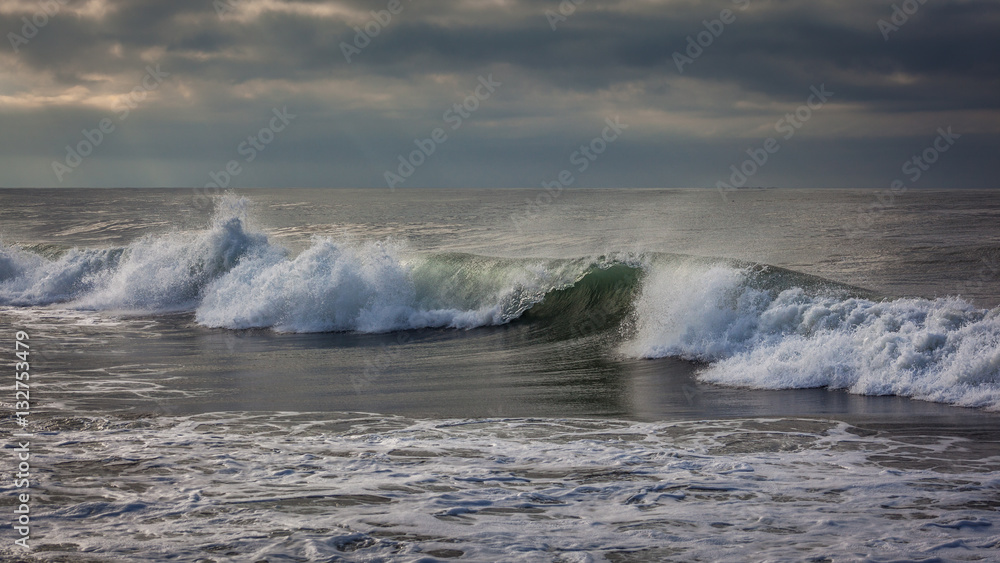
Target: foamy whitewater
244	487
752	325
423	375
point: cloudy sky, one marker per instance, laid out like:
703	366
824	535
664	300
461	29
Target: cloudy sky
180	85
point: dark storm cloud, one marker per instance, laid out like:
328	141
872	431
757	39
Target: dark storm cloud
228	70
771	48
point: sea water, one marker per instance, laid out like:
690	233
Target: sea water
603	375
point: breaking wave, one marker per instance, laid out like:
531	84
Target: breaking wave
750	325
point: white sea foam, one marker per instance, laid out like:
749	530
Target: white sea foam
942	350
170	272
29	279
371	287
152	274
234	277
757	328
246	487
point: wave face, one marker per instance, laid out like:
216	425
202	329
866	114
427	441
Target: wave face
377	287
232	277
751	325
752	333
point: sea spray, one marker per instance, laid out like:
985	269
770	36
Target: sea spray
942	350
751	325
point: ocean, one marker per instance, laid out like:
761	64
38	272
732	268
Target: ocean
501	375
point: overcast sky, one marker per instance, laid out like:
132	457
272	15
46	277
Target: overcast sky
199	77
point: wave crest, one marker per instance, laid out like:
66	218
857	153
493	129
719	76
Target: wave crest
942	350
752	325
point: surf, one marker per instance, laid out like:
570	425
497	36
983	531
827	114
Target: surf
749	331
745	324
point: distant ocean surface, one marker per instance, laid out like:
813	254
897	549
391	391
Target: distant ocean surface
516	375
